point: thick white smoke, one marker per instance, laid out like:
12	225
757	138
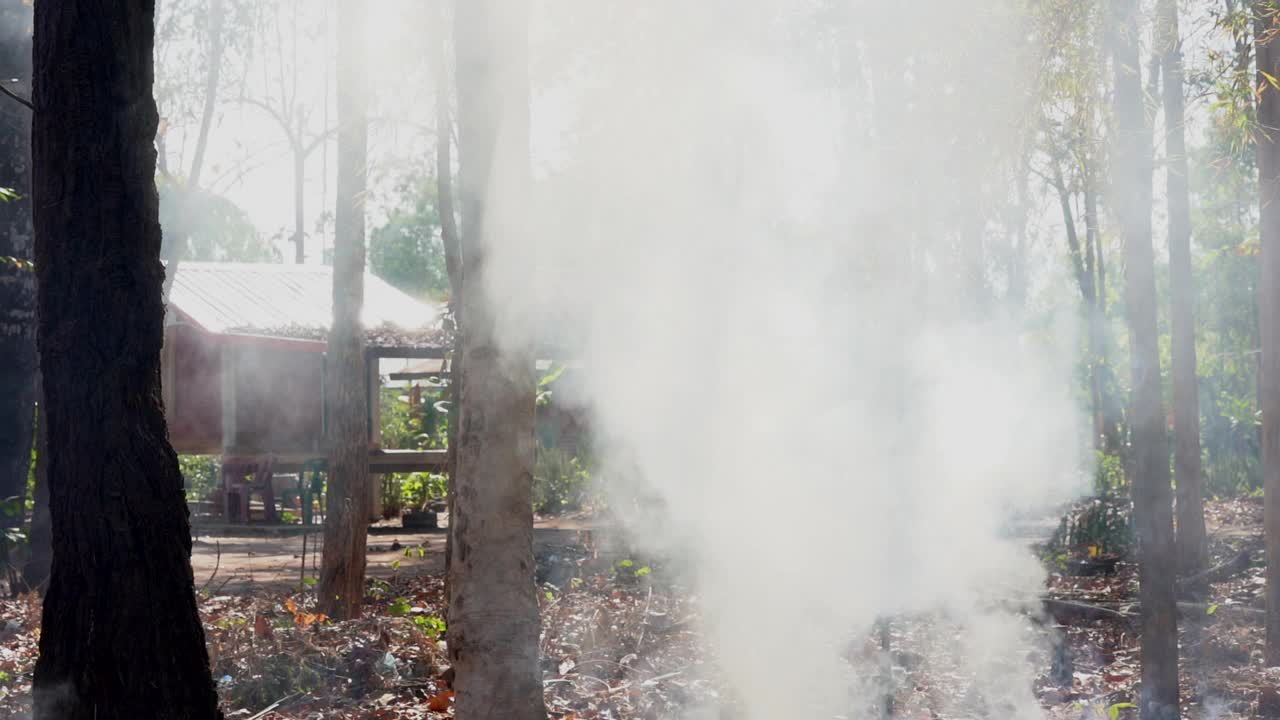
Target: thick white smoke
773	230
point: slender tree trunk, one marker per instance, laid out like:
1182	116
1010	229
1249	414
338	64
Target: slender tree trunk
299	221
1268	52
1152	496
1099	334
212	75
444	170
120	637
1193	551
1082	261
493	606
17	282
345	525
453	264
36	571
175	240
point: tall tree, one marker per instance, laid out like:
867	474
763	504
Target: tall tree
452	254
1268	149
17	281
289	108
1192	546
1152	496
176	237
121	636
343	563
493	606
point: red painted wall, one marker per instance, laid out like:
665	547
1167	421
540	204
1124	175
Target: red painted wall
195	418
278	396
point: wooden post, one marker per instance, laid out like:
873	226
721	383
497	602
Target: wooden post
168	356
374	386
227	394
227	381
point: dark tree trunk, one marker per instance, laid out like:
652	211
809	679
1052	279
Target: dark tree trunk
120	637
493	606
1152	495
1268	52
1193	550
17	281
345	525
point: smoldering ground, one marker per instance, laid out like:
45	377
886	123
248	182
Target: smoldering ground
771	233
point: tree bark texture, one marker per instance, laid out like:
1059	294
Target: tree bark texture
17	283
1268	149
1193	550
493	606
1132	169
120	637
345	527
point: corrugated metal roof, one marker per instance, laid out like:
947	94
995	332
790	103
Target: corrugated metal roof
289	301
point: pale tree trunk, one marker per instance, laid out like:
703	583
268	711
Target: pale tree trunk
299	219
176	237
493	606
212	74
452	260
1099	334
17	282
120	635
1152	496
1193	551
1268	52
1085	262
341	588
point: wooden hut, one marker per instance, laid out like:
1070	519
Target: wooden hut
244	358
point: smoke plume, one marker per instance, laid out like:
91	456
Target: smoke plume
777	236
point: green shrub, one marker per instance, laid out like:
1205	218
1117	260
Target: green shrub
412	491
200	474
561	482
1108	478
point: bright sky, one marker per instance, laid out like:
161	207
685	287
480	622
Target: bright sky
249	158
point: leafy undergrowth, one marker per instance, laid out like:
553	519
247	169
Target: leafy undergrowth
621	641
615	645
1220	636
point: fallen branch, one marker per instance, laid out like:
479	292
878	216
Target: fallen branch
217	562
1234	612
1236	565
655	680
263	712
1067	611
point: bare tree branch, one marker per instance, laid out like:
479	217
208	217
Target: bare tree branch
18	98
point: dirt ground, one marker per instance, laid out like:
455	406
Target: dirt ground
625	641
229	559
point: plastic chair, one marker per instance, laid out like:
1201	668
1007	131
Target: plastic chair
313	491
234	471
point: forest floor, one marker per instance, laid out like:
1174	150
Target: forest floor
235	560
621	640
